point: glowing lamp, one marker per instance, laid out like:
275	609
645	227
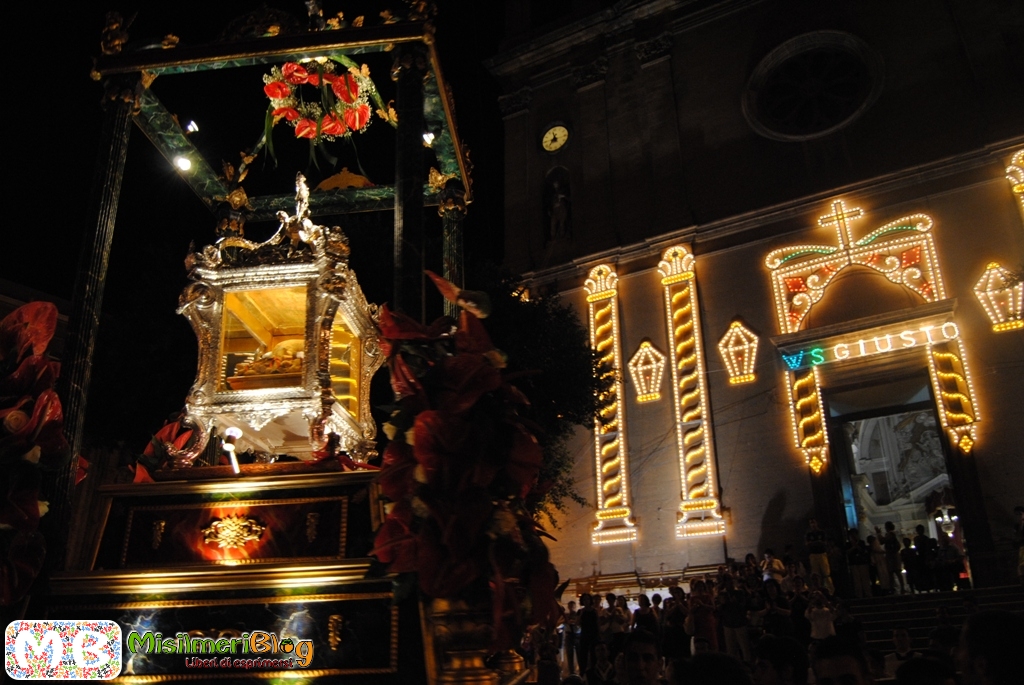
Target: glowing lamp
738	348
1001	293
183	163
428	139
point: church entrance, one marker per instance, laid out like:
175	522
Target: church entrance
892	475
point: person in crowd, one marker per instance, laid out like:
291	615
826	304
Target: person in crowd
570	636
772	568
948	564
732	612
642	661
701	621
589	632
777	610
891	544
849	627
644	618
798	601
817	547
601	672
878	564
903	651
836	662
990	648
548	670
821	617
925	671
604	619
926	552
911	564
674	639
618	625
780	661
858	559
656	607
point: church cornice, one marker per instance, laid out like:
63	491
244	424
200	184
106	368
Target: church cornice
733	228
613	25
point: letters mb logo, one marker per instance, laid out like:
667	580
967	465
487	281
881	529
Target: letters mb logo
62	650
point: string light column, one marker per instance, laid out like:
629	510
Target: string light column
614	519
699	507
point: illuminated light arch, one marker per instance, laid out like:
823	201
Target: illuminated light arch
738	348
1001	293
902	250
699	508
1015	175
614	519
647	368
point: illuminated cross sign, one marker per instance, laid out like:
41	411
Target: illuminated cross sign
893	341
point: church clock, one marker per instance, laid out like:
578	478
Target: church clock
555	137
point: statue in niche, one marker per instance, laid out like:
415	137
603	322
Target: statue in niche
558	205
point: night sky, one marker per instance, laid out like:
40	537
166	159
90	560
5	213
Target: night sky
145	356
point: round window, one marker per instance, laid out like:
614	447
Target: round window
812	85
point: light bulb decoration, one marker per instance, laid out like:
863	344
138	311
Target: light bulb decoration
1001	293
738	348
231	436
614	519
1015	175
954	393
806	413
699	507
647	368
902	250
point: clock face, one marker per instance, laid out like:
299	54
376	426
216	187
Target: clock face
555	138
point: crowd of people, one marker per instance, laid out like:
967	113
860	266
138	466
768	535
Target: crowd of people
755	619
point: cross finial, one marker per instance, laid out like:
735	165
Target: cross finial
839	217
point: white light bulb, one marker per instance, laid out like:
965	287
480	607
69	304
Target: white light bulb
183	163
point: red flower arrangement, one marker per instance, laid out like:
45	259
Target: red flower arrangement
31	438
459	469
336	104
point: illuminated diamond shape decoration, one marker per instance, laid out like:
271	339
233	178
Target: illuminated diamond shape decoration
647	368
816	464
232	532
738	348
1001	293
965	444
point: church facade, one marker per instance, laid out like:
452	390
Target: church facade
796	234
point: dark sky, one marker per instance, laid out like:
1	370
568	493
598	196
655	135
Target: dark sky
145	357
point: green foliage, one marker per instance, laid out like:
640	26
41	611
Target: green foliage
551	362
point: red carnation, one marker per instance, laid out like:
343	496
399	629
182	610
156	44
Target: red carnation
293	73
357	117
306	128
277	90
346	88
332	125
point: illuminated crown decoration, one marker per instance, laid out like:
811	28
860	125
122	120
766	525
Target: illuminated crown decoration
614	518
699	508
902	250
1001	292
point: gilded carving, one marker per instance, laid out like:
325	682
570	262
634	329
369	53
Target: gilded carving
232	532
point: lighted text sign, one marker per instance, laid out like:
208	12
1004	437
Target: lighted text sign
866	347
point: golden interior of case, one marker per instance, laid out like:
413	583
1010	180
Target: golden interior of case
263	338
345	366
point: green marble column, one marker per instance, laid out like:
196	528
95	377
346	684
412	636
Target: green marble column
84	319
409	70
